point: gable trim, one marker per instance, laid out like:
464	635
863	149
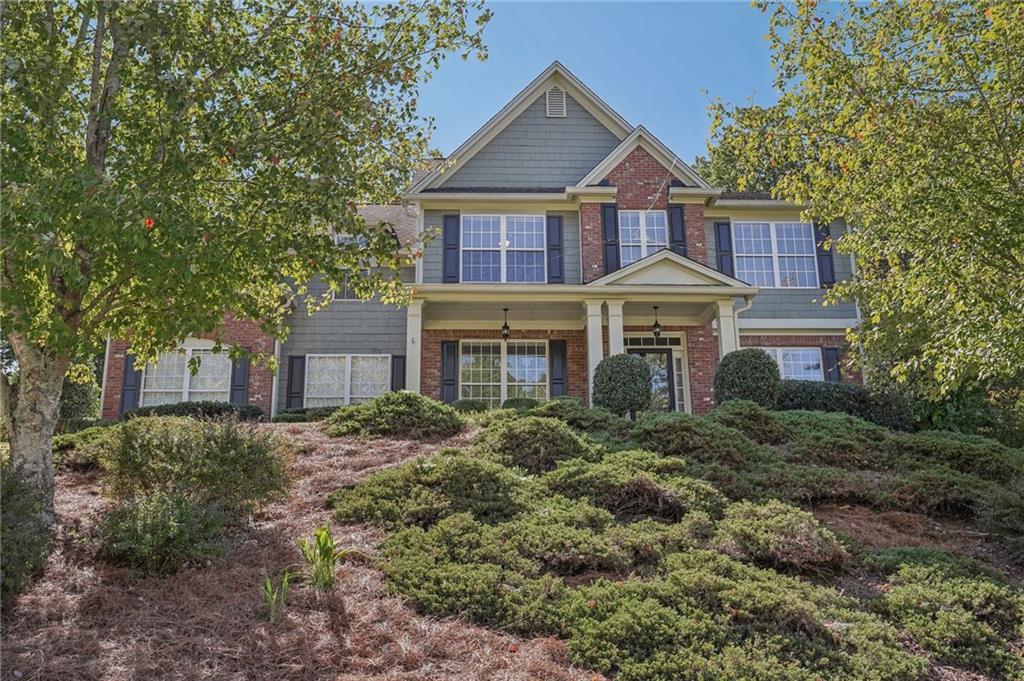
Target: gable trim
641	137
556	74
681	261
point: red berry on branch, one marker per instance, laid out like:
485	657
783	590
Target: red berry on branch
148	222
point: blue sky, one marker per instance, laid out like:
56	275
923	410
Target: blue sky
649	61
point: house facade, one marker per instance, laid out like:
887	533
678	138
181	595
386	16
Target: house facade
557	235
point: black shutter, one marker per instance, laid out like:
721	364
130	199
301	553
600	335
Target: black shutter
830	364
556	268
723	244
826	269
131	384
294	393
398	372
450	239
677	229
449	371
240	381
556	349
610	232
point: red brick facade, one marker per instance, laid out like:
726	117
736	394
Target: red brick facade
850	368
642	183
575	351
701	361
245	333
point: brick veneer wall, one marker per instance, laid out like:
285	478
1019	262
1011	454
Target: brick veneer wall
243	332
701	362
575	347
850	369
642	184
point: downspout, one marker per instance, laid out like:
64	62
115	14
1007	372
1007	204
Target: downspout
103	379
749	304
274	381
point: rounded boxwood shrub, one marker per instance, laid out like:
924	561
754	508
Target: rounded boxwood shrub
533	442
748	374
887	409
402	414
469	406
751	419
200	409
622	384
774	534
693	438
521	403
160	531
24	535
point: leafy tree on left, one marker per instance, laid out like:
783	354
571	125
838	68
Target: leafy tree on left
165	164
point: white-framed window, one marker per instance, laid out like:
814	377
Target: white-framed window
336	380
503	248
775	254
494	371
168	380
802	364
641	233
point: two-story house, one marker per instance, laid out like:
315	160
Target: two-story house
563	235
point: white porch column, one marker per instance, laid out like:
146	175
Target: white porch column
727	336
616	344
595	341
413	344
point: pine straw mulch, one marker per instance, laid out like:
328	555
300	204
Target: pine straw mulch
87	619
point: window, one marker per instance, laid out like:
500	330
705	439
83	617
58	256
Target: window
776	254
493	371
504	248
641	232
168	380
335	380
802	364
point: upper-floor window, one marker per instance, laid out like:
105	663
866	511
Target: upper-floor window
503	248
168	380
641	232
347	290
802	364
775	254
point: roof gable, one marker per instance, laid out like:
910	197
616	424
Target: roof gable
641	137
556	74
666	268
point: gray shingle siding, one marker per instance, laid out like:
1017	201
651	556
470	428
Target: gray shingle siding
344	327
780	303
536	151
433	252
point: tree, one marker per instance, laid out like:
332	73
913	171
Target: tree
165	164
907	120
727	164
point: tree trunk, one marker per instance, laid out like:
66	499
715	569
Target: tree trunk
31	406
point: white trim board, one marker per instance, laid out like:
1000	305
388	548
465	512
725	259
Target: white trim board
781	327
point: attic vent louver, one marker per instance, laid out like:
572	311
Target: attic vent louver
556	102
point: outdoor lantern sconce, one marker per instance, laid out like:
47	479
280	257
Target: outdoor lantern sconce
505	331
656	327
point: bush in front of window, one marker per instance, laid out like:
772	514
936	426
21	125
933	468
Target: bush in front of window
402	414
520	403
23	533
200	409
622	384
223	465
533	442
467	406
303	414
887	409
748	374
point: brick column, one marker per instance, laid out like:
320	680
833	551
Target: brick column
591	241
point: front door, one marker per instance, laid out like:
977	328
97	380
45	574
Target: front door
663	393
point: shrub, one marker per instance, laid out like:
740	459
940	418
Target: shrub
426	490
520	403
777	535
73	451
749	374
483	419
635	484
403	414
938	490
833	439
693	438
469	406
622	384
290	418
79	402
887	409
222	464
200	409
533	443
160	531
598	423
751	419
303	414
24	536
892	560
968	621
965	453
1002	513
